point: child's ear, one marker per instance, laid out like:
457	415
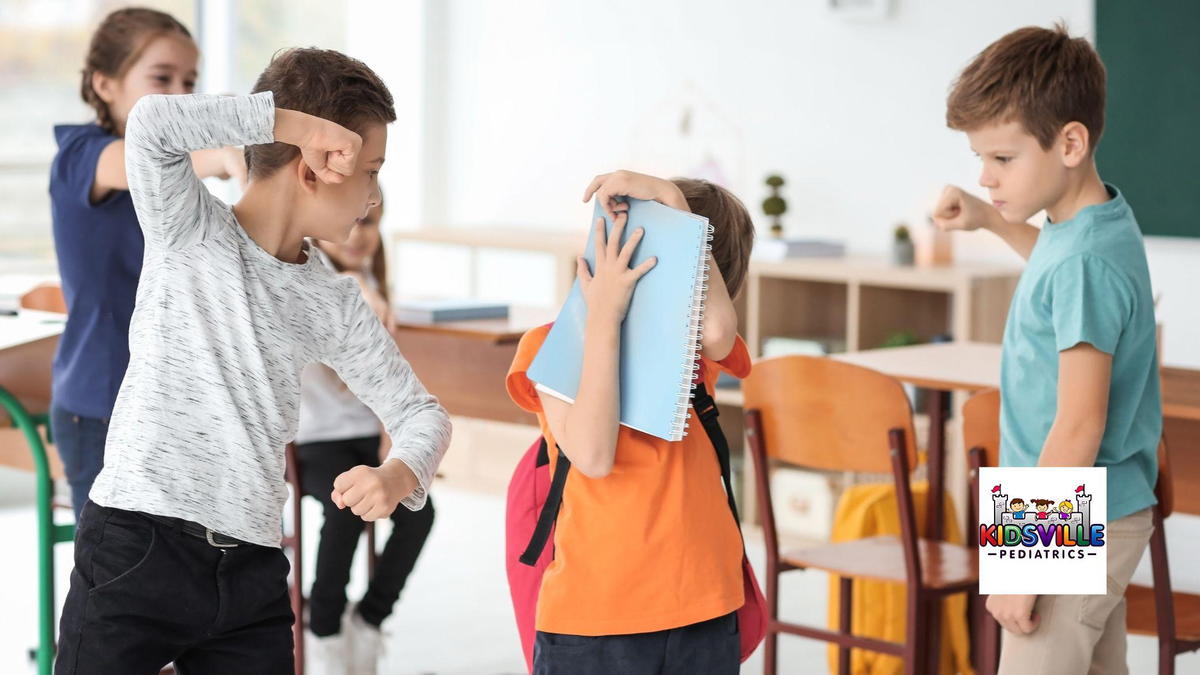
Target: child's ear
305	177
104	86
1076	142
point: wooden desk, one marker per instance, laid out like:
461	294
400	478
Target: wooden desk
1181	393
27	344
464	363
959	366
1181	427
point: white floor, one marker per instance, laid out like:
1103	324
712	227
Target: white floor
454	617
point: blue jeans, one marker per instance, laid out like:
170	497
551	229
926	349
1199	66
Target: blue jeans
710	647
80	443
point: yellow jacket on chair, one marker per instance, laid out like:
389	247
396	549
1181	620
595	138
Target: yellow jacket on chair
879	607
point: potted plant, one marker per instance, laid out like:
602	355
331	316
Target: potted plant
901	338
902	246
775	205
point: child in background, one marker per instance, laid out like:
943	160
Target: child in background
337	432
1079	373
647	569
133	52
177	555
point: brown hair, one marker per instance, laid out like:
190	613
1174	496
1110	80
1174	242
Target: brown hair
733	230
323	83
116	45
378	261
1041	77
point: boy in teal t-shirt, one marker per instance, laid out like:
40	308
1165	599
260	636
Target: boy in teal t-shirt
1079	380
1086	283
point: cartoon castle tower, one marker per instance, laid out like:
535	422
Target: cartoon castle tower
999	503
1084	507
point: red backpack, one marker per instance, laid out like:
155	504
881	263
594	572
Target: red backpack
534	497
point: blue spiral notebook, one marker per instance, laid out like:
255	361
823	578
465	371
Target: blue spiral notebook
660	338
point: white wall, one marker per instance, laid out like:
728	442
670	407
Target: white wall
525	102
1173	270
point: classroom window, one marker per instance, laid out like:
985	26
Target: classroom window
42	47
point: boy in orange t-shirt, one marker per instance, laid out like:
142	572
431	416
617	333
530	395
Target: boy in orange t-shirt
647	569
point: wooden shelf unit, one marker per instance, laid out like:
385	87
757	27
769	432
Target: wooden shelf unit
863	301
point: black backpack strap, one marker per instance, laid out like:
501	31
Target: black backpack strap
549	513
706	410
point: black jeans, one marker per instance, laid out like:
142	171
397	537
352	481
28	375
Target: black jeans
144	594
320	464
80	444
710	647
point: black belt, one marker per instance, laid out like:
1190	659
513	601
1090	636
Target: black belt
215	539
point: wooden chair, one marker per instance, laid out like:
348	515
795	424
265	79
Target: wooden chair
45	298
292	541
1174	617
981	437
822	414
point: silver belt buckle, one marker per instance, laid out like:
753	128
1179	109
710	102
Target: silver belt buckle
208	534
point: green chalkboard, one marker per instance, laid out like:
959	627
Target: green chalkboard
1151	143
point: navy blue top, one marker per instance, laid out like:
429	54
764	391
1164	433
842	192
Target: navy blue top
99	249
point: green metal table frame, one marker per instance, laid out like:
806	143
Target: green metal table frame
49	534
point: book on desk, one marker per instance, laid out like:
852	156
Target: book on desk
439	311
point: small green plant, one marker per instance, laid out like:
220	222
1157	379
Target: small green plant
775	205
901	339
901	233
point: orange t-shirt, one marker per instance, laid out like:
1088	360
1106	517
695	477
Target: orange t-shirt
651	546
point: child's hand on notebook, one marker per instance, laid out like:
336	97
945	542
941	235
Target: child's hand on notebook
608	186
609	288
372	493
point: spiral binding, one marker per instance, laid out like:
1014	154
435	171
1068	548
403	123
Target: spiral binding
690	365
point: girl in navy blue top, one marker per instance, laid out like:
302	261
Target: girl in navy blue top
133	52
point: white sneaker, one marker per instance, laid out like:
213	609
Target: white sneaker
329	655
365	644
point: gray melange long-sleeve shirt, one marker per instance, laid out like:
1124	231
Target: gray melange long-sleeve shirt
220	334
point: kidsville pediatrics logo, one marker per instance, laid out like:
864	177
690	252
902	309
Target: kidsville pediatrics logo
1042	531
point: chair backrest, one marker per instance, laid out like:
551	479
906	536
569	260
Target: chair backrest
824	414
45	298
981	426
981	438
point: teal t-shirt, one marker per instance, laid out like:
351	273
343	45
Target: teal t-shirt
1086	281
